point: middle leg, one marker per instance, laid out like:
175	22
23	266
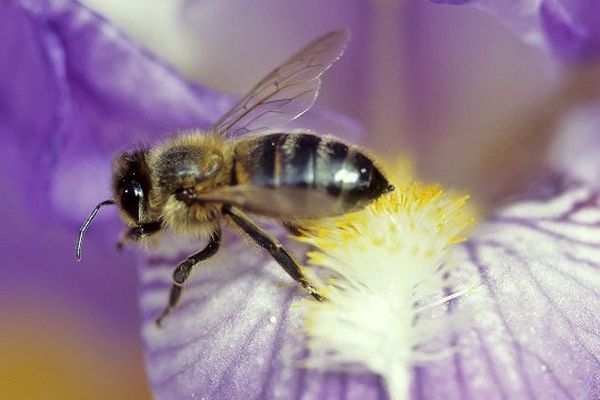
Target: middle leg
183	270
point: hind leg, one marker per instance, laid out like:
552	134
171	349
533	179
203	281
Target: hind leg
273	246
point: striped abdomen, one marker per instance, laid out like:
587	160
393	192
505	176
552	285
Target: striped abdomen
331	177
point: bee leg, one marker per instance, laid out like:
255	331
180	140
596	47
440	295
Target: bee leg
136	233
182	272
273	246
295	230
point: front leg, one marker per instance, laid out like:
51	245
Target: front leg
183	270
273	246
138	232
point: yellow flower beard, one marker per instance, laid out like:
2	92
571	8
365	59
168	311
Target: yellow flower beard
385	265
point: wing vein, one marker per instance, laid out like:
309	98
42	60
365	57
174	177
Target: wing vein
297	81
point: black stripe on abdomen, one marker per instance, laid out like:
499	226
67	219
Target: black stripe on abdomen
298	156
264	158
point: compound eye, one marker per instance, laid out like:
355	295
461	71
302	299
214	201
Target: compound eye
131	198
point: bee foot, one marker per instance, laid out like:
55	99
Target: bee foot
159	320
313	292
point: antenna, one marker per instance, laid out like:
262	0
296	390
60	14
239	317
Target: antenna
86	225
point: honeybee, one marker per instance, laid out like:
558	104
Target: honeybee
195	181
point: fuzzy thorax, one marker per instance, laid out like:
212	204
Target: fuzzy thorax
199	161
386	265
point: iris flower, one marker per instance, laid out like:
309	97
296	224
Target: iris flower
413	310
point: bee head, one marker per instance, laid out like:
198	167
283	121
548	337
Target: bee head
131	184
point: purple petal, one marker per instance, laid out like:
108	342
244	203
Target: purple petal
570	28
575	150
521	16
235	335
534	335
537	332
74	90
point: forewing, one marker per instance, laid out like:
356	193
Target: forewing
284	202
287	92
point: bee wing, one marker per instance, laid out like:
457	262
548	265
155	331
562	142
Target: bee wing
287	92
283	202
